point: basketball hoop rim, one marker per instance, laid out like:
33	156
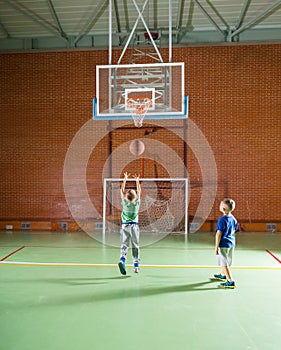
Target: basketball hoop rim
139	106
180	115
142	103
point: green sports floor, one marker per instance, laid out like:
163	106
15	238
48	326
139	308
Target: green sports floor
63	291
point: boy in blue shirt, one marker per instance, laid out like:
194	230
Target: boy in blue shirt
130	228
225	242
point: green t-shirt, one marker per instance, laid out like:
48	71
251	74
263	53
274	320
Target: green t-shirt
130	211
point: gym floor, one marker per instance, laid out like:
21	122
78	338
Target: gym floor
64	291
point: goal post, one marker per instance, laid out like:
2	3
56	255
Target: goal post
163	210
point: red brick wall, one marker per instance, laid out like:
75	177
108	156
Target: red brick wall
234	94
235	99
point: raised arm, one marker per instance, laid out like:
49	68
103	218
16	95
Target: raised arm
123	186
137	177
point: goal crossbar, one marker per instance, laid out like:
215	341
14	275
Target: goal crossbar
165	203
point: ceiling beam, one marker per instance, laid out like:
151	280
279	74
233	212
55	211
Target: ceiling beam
117	16
4	30
272	8
93	16
190	16
209	17
180	13
126	13
54	14
33	16
243	13
181	29
217	13
155	14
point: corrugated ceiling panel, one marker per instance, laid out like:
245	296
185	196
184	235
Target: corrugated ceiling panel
34	18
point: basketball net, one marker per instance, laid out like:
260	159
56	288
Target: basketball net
139	106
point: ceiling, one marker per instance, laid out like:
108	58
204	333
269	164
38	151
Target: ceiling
58	24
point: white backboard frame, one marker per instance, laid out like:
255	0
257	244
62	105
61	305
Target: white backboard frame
119	111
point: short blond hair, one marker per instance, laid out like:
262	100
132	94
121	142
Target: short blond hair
131	195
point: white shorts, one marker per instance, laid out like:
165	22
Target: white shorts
225	256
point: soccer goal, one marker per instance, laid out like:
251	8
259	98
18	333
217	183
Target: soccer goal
163	207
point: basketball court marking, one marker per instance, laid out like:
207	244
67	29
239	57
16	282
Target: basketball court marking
23	263
14	252
274	256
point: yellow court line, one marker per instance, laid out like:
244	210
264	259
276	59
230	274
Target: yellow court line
25	263
22	263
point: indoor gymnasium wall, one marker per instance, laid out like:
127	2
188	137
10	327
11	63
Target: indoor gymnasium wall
235	100
46	97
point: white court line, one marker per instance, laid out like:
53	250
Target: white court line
25	263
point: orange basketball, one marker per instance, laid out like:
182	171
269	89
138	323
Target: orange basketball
137	147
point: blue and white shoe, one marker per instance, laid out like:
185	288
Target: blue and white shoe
122	266
136	268
219	277
228	285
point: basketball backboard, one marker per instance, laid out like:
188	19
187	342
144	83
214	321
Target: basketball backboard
162	83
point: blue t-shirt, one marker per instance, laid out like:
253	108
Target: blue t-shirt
227	224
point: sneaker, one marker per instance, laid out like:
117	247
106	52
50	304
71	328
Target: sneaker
228	285
220	277
136	267
122	267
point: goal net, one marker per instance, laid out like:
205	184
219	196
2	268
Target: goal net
163	207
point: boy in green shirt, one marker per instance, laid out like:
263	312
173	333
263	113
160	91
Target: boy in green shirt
130	228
